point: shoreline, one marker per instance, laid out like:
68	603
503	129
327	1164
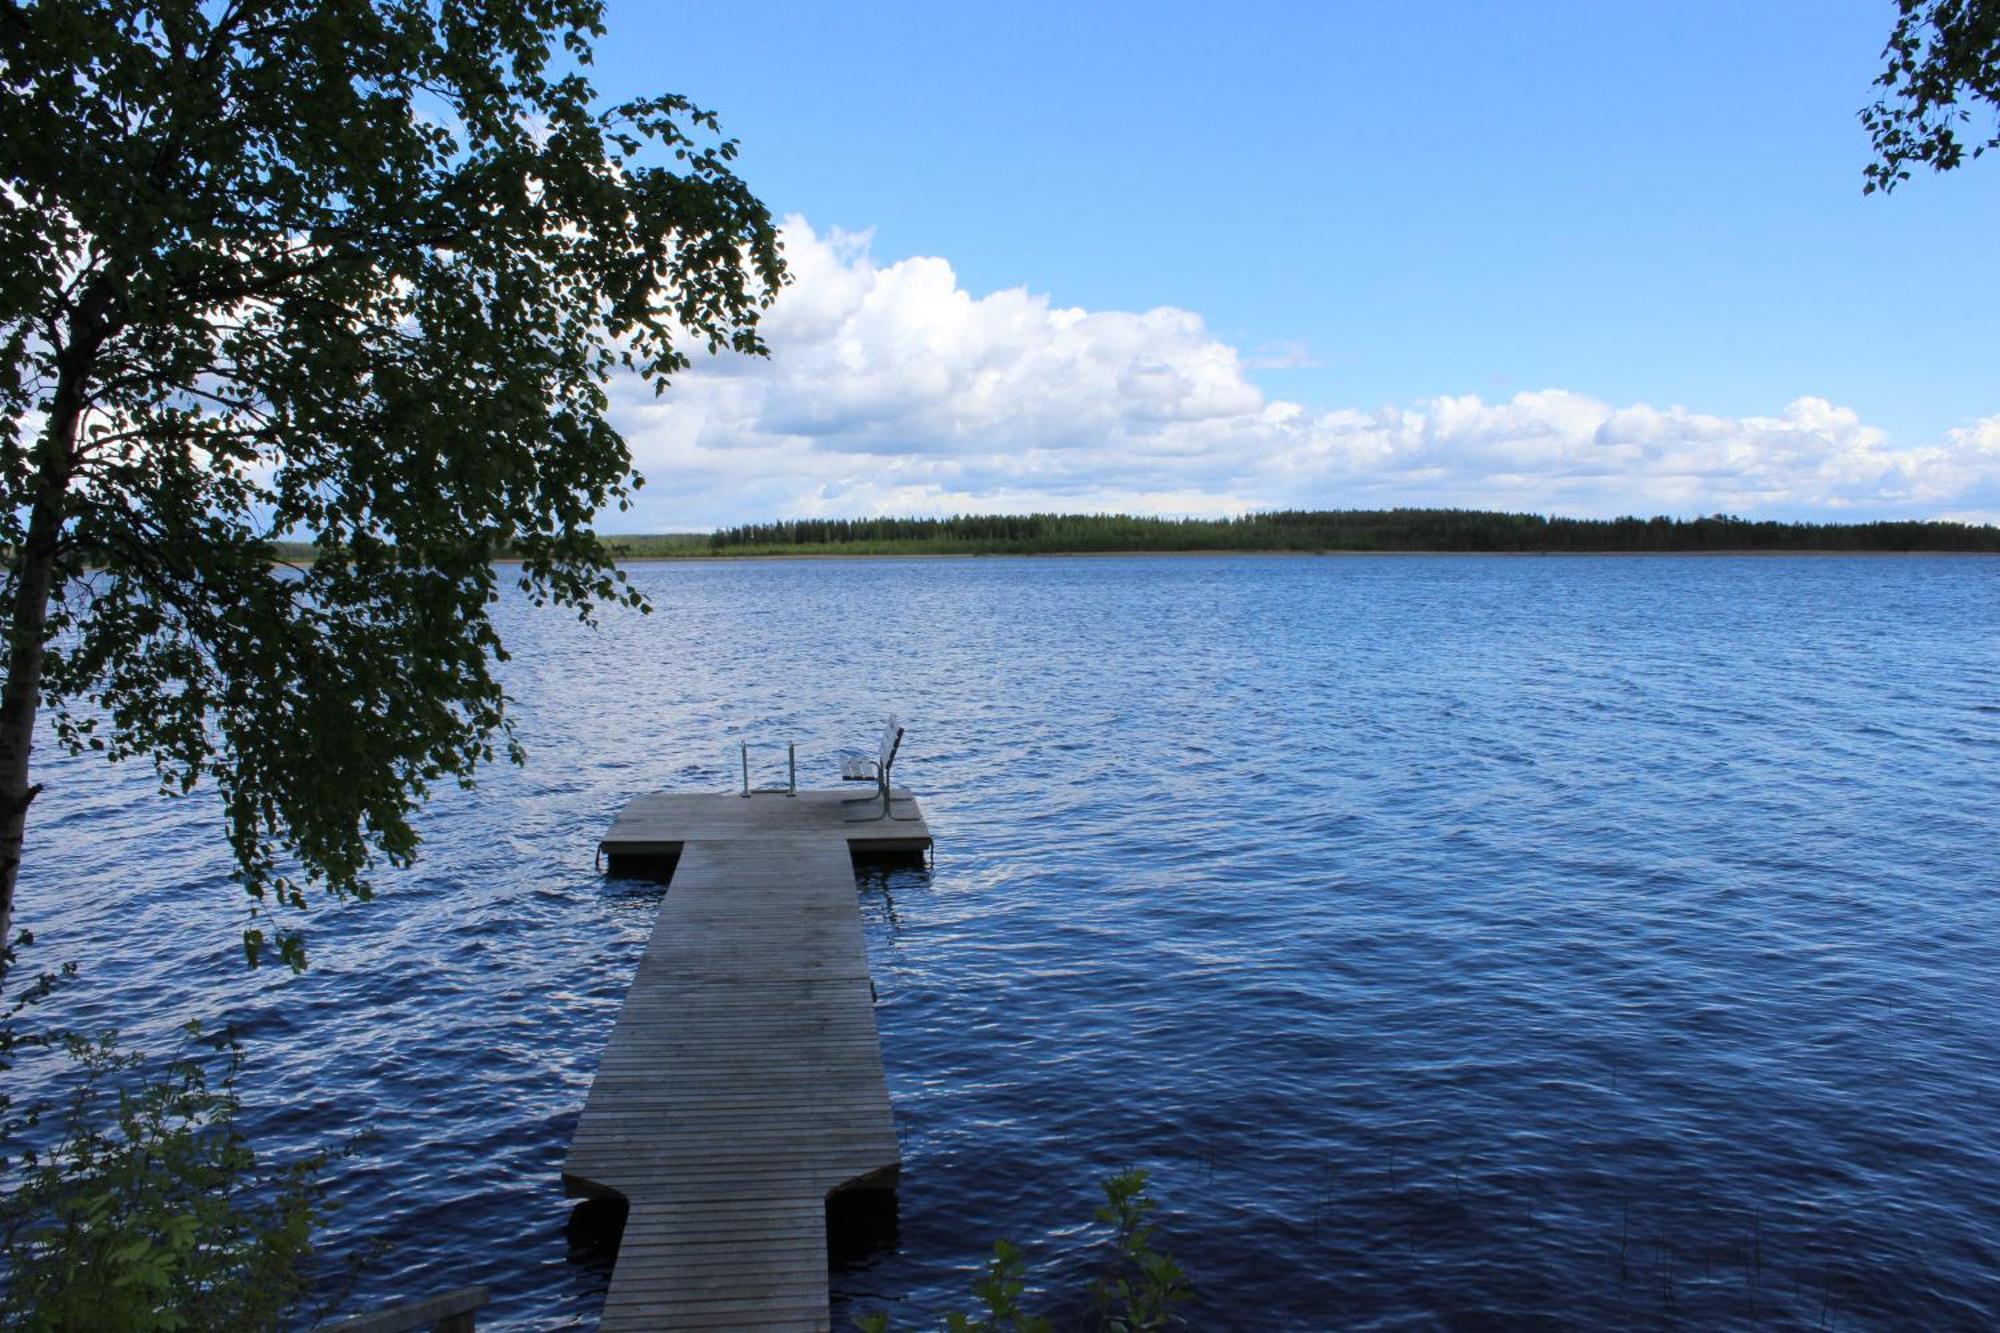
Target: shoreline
1288	554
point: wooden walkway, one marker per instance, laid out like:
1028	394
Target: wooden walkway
743	1083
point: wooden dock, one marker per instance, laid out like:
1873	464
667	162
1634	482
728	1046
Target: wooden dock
743	1083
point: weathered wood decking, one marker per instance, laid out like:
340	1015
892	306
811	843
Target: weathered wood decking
743	1082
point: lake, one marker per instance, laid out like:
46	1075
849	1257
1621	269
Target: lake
1458	941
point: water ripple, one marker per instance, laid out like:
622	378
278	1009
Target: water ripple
1471	942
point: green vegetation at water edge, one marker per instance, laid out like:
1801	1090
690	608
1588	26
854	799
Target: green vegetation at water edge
1301	530
1138	1295
145	1209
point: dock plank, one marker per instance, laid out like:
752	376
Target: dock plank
743	1080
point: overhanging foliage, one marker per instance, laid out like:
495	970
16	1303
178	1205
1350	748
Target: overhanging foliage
351	272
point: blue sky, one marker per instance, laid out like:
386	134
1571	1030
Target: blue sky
1584	257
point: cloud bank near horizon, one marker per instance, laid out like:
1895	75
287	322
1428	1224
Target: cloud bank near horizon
892	390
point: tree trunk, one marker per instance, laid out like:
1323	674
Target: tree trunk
28	617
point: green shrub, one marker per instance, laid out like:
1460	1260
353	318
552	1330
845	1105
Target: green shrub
1139	1296
149	1211
1142	1295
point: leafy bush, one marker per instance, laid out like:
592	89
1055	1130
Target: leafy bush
1138	1297
1142	1296
149	1211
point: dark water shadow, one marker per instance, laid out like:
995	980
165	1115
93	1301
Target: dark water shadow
593	1232
879	877
861	1225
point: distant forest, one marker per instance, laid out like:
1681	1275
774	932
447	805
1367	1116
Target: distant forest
1413	530
1303	530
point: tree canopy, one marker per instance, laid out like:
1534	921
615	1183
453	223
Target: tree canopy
1943	60
356	273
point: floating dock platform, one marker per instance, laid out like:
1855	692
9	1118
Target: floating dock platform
742	1086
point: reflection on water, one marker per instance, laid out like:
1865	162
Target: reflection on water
1459	941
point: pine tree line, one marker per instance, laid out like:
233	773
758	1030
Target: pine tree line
1340	530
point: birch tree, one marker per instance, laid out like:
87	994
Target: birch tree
354	273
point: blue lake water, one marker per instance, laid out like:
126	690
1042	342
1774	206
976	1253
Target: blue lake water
1460	942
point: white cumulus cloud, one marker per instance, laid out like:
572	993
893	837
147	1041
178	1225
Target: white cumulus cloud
891	389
